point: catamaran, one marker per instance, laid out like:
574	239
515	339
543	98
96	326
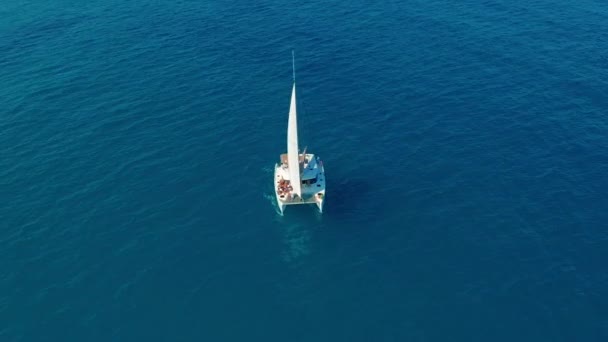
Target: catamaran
300	177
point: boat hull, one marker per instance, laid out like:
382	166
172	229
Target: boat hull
313	193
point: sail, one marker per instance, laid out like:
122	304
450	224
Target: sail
292	147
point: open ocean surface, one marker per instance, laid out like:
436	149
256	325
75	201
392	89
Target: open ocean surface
465	144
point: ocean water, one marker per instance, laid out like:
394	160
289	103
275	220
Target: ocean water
465	145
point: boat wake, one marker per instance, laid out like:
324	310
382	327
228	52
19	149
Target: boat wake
273	200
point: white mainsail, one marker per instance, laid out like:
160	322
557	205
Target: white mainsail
292	147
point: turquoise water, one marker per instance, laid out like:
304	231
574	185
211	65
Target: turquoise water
464	145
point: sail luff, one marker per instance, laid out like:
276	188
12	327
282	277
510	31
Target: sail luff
292	147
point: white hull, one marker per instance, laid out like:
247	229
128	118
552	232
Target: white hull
313	188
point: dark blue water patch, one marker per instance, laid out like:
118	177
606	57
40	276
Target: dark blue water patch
464	147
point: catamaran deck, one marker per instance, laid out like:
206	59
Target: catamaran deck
312	182
285	162
297	200
310	192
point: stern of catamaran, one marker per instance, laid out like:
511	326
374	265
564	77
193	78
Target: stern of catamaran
312	182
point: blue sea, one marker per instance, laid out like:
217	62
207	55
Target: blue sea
465	145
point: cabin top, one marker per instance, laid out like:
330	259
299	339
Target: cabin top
308	166
304	158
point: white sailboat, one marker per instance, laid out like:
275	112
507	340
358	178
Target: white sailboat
300	177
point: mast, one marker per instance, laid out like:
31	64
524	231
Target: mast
293	159
293	65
